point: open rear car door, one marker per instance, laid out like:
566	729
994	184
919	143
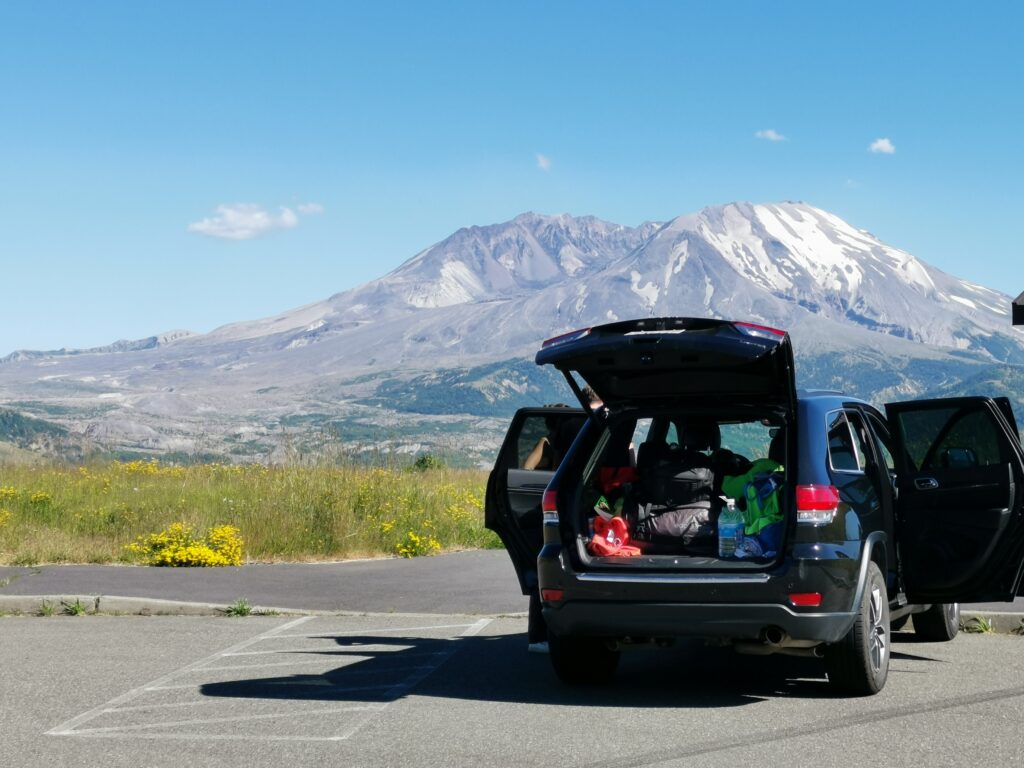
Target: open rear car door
514	491
960	475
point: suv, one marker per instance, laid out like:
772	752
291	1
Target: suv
876	517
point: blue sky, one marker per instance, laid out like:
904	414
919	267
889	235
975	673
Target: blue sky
335	140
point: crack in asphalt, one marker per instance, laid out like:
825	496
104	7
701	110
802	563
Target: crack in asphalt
669	755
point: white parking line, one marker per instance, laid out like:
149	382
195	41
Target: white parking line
364	712
215	720
243	667
477	628
376	630
67	728
322	652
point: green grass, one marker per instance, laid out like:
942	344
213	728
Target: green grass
73	609
240	607
89	514
978	625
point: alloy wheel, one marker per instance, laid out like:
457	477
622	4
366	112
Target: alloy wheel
878	632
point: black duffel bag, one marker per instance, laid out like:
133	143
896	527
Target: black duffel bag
677	530
668	485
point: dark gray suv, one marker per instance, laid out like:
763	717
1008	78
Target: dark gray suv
855	519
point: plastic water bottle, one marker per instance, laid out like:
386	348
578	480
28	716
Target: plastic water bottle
730	529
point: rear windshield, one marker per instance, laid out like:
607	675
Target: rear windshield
744	436
669	474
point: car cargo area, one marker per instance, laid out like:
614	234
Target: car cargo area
656	482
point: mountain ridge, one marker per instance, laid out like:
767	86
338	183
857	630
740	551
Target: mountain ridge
458	319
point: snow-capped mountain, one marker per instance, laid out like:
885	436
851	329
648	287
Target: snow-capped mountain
488	290
452	331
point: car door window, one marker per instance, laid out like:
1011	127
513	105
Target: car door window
535	432
951	438
545	438
960	509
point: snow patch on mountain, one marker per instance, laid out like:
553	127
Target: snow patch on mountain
648	292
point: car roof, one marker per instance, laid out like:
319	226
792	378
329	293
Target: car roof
820	399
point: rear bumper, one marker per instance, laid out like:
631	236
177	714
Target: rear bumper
734	621
713	604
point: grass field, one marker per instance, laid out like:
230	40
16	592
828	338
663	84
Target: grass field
90	514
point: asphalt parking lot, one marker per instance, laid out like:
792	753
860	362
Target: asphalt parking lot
424	690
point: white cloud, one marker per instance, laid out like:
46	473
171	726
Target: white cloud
770	134
244	221
882	147
543	162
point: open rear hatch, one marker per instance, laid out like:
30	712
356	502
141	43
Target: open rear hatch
677	359
672	388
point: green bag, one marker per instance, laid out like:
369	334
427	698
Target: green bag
758	488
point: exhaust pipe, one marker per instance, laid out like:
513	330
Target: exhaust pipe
775	640
773	636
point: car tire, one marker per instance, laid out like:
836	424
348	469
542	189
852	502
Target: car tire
939	624
581	660
859	663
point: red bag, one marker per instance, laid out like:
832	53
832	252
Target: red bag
611	539
610	478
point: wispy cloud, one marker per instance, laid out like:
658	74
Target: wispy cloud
770	134
543	162
882	147
245	221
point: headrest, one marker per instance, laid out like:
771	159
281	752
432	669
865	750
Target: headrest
700	435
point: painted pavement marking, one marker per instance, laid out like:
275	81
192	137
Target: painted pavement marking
361	712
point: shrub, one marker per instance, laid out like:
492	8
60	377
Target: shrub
428	461
177	545
414	545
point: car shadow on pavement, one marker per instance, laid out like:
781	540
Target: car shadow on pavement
498	669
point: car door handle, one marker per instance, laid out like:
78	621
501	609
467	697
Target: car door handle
926	483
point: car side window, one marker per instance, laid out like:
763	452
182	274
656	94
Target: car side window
860	439
842	449
641	431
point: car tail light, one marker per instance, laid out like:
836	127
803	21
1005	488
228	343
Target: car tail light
552	595
805	599
565	338
549	506
816	504
760	331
